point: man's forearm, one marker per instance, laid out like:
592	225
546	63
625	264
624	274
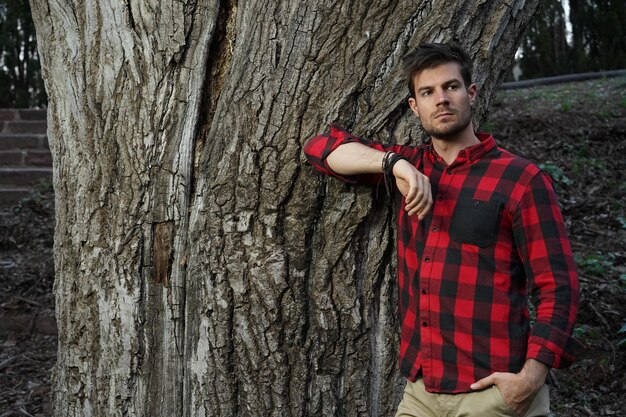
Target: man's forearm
535	373
355	158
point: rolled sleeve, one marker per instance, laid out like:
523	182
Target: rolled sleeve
319	147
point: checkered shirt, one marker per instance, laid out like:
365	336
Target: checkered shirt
494	235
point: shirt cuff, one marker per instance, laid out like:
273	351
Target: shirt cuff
337	137
552	347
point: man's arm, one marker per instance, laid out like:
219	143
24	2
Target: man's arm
346	156
544	249
355	158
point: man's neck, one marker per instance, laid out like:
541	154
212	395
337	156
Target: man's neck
449	148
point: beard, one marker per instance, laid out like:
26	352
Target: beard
448	131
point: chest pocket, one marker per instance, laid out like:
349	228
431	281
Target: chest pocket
476	222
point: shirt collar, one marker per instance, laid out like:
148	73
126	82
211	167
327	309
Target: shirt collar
487	143
471	153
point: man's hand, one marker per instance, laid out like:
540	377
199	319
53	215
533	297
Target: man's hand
518	390
415	188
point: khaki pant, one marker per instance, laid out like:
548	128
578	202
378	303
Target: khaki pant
417	402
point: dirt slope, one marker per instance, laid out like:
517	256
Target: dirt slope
577	133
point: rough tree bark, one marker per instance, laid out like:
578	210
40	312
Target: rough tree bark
201	268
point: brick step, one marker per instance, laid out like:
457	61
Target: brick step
26	158
20	126
10	197
11	141
22	114
33	114
24	177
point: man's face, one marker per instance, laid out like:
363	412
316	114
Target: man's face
442	102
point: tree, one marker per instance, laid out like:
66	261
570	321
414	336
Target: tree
597	41
544	48
201	268
20	74
598	34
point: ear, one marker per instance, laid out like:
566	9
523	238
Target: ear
472	91
413	106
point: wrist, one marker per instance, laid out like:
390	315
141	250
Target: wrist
534	373
389	161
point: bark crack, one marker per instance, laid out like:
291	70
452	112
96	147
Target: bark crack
162	251
218	65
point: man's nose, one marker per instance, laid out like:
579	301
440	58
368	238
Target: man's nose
442	97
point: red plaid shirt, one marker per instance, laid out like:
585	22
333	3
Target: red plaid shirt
494	230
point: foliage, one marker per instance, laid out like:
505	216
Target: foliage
21	84
598	34
597	40
622	332
594	264
555	172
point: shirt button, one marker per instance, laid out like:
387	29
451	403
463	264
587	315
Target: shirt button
425	324
424	292
440	197
434	229
427	260
476	203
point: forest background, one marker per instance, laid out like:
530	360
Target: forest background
566	37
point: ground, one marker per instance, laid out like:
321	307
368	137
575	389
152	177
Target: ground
27	330
576	132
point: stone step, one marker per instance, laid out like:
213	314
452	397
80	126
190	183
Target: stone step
26	158
24	177
8	114
38	158
22	114
11	141
13	158
20	126
33	114
11	196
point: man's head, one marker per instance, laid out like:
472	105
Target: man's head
430	55
441	91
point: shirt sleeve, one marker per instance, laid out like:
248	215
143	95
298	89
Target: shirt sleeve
552	278
319	147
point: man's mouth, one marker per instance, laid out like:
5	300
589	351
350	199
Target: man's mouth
444	114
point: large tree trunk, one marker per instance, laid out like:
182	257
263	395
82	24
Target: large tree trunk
201	268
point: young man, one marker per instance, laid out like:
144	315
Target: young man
477	227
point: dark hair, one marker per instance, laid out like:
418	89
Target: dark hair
430	55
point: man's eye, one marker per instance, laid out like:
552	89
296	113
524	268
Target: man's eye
425	93
453	87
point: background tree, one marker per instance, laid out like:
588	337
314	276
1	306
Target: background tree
20	74
201	268
595	40
598	35
544	48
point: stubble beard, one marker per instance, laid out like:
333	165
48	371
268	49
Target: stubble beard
450	131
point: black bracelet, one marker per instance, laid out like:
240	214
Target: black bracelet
392	161
389	160
385	158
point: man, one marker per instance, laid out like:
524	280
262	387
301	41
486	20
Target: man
477	226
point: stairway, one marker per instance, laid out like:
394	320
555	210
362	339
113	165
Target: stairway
25	159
